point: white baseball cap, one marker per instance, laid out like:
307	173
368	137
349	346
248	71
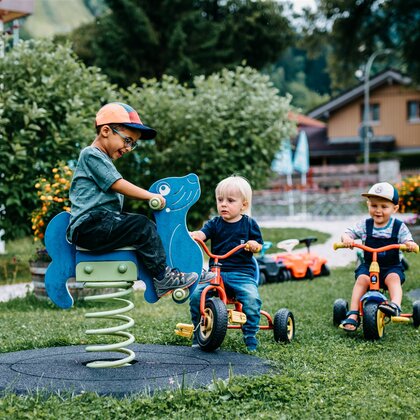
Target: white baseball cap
383	190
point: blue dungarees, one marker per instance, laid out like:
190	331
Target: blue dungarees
389	261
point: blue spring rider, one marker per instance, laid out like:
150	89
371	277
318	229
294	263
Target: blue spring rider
120	268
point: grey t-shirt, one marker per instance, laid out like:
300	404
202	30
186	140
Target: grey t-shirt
90	187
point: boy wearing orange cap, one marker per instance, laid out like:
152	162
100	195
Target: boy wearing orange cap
97	193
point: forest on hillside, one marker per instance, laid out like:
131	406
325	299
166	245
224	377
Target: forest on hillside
312	55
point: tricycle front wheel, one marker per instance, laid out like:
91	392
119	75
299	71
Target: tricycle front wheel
213	325
373	321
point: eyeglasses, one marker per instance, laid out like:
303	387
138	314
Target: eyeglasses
129	142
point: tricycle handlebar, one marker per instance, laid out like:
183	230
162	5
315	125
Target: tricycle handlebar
402	247
219	257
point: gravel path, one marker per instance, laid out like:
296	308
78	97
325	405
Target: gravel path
11	291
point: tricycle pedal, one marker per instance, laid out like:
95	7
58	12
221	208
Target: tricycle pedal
236	317
400	319
184	330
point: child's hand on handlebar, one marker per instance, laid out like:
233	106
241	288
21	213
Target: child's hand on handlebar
347	241
253	246
198	234
412	246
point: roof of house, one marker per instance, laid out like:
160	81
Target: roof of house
303	120
386	77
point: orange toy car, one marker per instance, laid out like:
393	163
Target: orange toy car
302	265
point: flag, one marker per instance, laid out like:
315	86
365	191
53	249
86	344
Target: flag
301	159
282	163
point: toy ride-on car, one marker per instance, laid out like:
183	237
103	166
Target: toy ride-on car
220	312
271	271
373	319
301	265
317	263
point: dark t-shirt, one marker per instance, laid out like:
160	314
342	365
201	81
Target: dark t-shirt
224	236
90	187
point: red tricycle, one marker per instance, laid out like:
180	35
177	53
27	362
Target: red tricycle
216	317
374	320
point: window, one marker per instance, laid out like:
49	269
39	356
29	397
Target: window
413	111
374	113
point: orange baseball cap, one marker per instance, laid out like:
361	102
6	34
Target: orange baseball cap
119	113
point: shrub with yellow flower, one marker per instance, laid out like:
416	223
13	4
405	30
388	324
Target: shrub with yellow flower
54	198
409	191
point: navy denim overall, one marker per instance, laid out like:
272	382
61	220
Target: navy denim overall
389	261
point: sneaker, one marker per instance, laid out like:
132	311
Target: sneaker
195	344
390	309
251	343
207	276
173	279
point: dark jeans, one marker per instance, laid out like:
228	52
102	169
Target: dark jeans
104	231
245	289
398	269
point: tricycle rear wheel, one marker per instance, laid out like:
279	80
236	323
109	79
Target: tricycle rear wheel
339	311
284	326
416	313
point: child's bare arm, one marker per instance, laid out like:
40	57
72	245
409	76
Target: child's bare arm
347	240
198	234
130	190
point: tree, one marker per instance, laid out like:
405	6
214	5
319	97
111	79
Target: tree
182	38
49	101
356	29
230	122
301	76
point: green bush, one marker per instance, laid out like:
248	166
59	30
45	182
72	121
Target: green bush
230	122
49	100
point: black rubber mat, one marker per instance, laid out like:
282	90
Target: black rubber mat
59	369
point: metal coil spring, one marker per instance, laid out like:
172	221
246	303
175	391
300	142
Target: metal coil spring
125	288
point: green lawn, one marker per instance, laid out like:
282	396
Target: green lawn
324	374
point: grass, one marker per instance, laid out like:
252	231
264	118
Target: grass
323	373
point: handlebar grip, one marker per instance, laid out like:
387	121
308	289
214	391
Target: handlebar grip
338	245
405	249
155	203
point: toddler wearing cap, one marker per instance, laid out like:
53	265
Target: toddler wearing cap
97	192
379	230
